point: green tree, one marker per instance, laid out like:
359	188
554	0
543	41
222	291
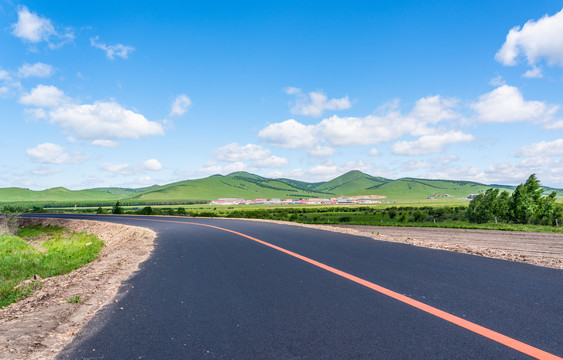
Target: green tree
117	209
147	210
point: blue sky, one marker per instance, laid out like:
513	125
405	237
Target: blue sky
132	93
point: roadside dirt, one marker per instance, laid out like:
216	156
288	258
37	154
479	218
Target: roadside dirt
39	326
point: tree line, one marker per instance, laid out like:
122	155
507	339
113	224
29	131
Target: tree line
526	205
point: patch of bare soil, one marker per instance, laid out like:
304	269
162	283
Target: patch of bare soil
39	326
541	249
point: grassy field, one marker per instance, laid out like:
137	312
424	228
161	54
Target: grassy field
41	250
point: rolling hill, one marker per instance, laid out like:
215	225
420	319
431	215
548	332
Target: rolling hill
250	186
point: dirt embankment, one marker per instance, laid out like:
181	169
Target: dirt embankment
39	326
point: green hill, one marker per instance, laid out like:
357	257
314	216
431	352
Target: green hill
235	185
352	183
250	186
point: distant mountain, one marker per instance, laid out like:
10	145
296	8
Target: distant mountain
251	186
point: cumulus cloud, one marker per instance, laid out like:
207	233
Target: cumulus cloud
388	125
542	148
506	104
103	120
289	134
34	29
235	152
121	169
374	152
497	81
271	161
112	51
126	169
151	165
105	143
180	105
415	165
315	103
44	96
211	168
100	122
36	70
321	151
330	170
430	143
260	156
50	153
533	73
44	171
536	40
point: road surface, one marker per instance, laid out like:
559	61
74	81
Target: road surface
232	289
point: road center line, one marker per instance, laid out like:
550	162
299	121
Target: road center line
478	329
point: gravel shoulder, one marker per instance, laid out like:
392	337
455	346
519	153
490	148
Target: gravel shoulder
39	326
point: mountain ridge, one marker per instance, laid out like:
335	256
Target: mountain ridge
246	185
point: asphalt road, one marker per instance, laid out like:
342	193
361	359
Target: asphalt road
206	293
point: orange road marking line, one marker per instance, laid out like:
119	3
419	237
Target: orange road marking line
478	329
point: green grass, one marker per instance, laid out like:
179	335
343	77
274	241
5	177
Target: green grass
43	250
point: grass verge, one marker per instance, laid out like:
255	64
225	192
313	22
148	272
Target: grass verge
41	250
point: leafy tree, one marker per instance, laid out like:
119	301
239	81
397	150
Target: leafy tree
147	210
117	209
181	211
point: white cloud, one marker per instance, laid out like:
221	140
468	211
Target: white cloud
35	70
533	73
374	152
357	131
31	27
506	104
44	96
121	169
497	81
430	143
235	152
105	143
126	169
289	134
8	86
415	165
146	180
271	161
151	165
104	120
212	168
322	151
50	153
260	156
433	109
542	39
112	51
180	105
315	103
35	114
542	148
34	29
556	125
44	171
330	170
446	159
